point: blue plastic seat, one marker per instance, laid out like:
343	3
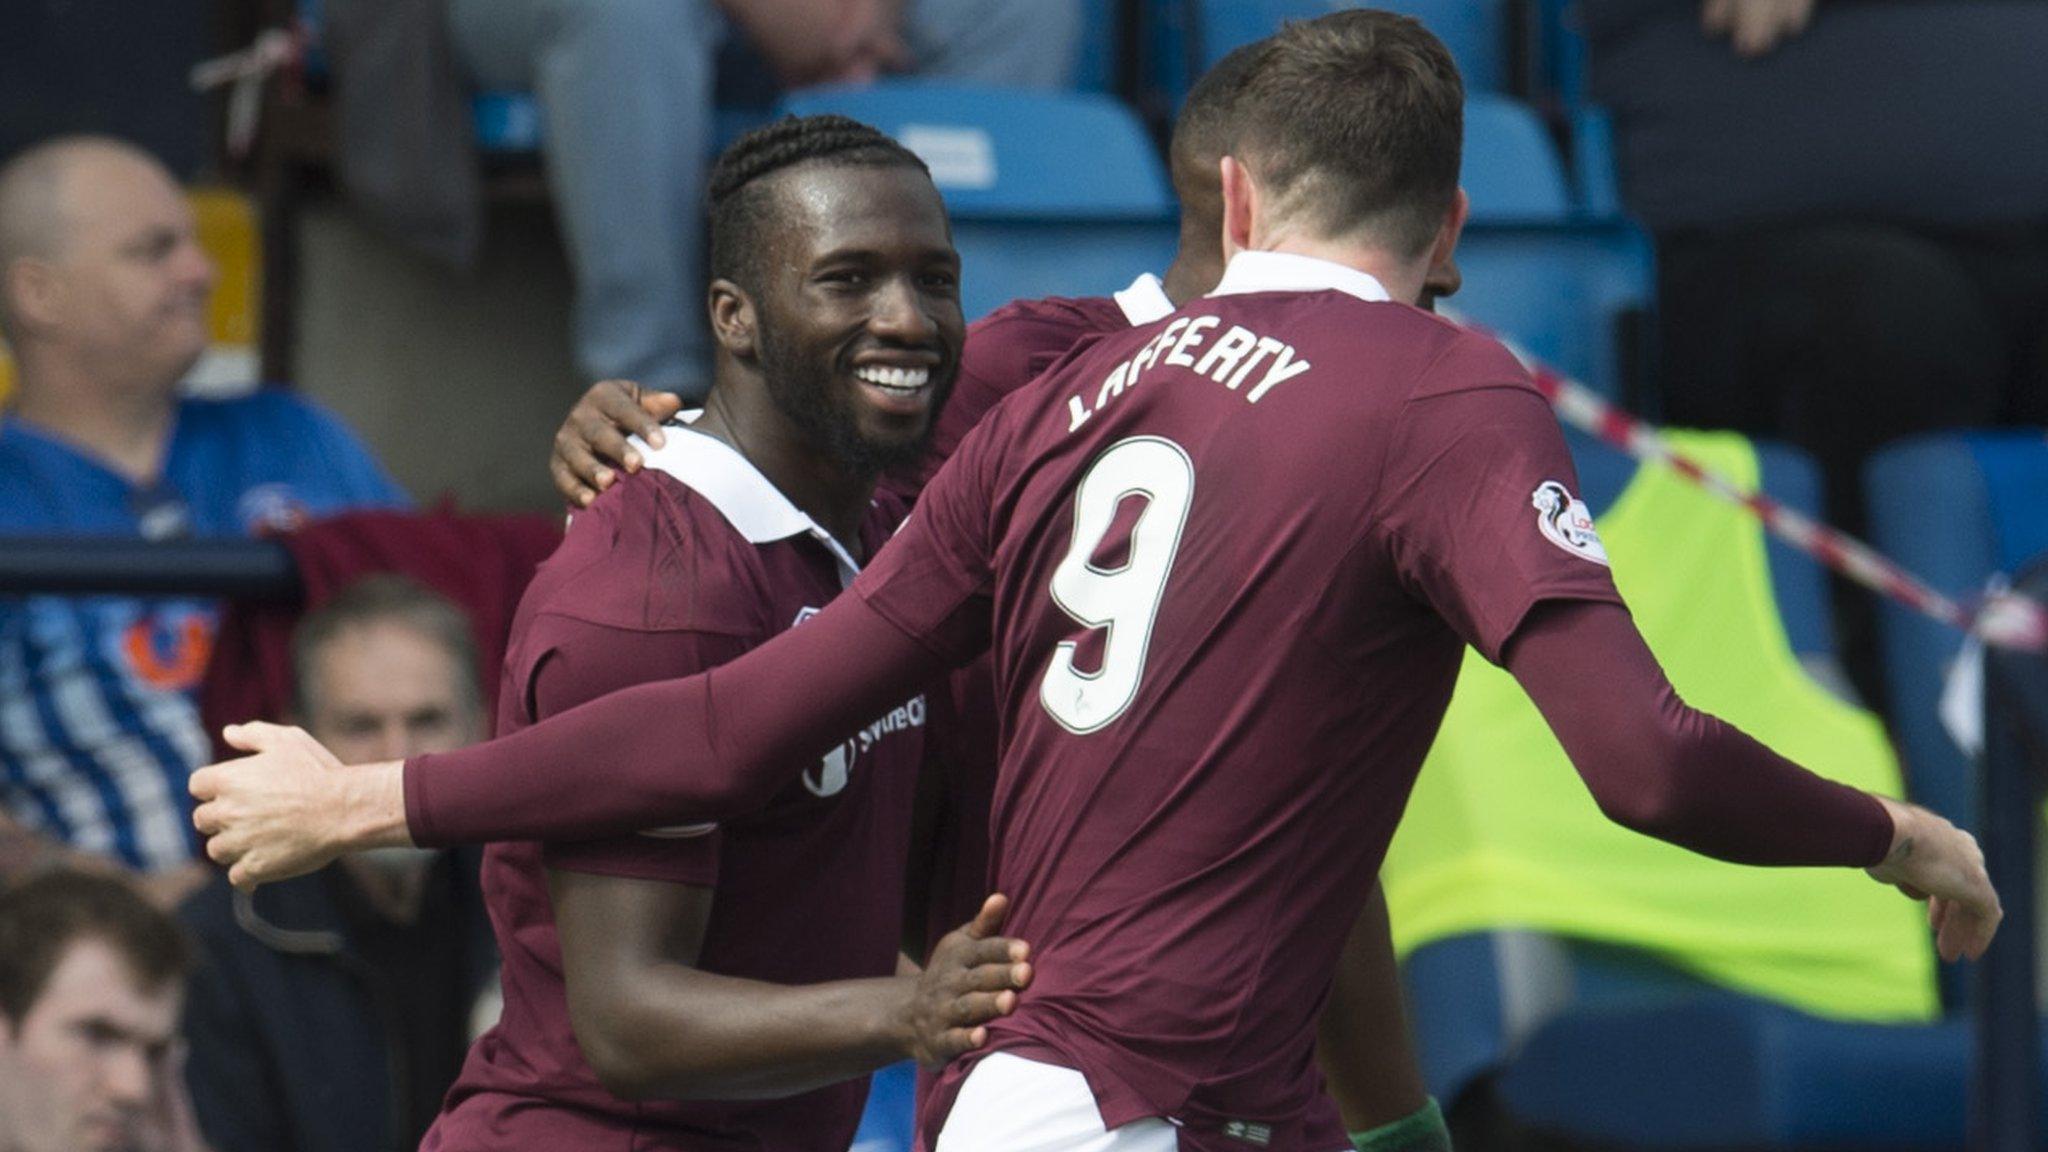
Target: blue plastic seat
1511	170
1476	31
1049	193
890	1122
1535	268
1953	509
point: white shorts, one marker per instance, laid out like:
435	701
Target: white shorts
1010	1104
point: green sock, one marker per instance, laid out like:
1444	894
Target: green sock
1420	1131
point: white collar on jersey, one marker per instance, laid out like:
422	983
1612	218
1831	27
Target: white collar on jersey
1251	271
748	500
1144	301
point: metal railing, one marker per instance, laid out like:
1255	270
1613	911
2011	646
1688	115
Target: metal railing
71	565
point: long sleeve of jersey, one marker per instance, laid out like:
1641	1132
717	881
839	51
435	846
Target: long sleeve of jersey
706	747
1664	769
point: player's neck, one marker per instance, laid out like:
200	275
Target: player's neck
1402	277
827	491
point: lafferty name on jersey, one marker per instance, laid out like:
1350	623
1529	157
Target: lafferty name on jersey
1239	359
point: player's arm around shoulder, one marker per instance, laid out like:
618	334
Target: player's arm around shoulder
654	1026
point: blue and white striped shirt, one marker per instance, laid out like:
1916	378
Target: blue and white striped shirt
99	721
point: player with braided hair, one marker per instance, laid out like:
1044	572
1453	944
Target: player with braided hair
731	985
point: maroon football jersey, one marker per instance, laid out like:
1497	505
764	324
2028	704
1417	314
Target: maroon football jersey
679	569
1233	558
1005	350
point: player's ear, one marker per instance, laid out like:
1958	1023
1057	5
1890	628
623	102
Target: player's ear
733	319
1240	199
1440	254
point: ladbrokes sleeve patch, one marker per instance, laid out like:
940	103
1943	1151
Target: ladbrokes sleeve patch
1566	522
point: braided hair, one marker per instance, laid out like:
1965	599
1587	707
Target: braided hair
739	202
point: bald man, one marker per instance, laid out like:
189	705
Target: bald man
103	294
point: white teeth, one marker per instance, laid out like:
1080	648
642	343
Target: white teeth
893	379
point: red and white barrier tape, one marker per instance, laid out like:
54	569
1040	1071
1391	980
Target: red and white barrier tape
2005	619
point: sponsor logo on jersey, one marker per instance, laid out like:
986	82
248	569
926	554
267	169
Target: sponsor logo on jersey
830	776
1566	522
836	768
1250	1132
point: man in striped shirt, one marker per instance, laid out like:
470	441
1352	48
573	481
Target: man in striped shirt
103	294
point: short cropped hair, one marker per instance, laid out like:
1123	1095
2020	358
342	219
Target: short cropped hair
375	600
1206	127
738	198
1354	122
42	917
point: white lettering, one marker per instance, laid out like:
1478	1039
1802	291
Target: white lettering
1114	385
1167	336
1188	339
1077	412
1285	367
1225	353
1267	346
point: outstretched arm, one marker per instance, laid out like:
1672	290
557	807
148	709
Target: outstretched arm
1664	769
705	747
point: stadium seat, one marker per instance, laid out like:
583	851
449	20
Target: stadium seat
890	1122
1511	168
1567	288
1596	179
1954	509
1572	294
1097	65
1476	31
1560	57
1049	193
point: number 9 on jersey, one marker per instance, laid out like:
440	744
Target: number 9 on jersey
1123	601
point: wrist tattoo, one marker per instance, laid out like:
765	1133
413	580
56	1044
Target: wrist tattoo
1900	853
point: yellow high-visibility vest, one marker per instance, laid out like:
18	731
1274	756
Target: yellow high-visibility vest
1501	833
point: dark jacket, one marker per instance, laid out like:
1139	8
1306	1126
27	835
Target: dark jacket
292	1031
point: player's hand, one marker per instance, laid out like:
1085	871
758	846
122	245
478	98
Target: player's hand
1933	860
291	807
974	976
591	443
1754	27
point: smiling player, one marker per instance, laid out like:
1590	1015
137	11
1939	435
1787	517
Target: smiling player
730	986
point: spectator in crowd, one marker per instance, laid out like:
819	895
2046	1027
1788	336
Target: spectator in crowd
1851	209
626	89
383	955
91	977
103	293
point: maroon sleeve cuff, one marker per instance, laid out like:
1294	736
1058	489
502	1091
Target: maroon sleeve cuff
419	813
1881	832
